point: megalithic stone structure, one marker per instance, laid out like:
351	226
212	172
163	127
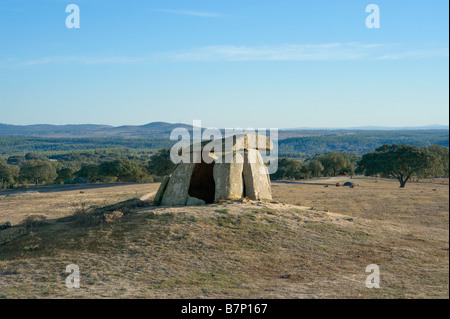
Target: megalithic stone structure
233	169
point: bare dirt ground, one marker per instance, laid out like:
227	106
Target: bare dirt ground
312	241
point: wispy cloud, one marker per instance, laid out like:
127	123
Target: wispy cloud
192	13
419	54
302	52
233	53
289	52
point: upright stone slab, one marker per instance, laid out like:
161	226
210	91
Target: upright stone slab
228	179
161	190
176	192
256	176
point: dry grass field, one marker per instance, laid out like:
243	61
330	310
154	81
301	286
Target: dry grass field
60	201
312	241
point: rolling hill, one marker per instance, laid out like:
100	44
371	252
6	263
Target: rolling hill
151	130
16	139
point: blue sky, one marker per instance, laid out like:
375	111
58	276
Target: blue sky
227	63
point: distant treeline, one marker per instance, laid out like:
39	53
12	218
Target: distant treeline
358	142
11	145
125	165
112	165
361	142
399	161
41	160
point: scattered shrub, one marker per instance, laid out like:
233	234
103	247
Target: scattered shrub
112	217
34	221
5	226
84	216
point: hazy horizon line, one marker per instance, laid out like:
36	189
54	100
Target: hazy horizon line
226	126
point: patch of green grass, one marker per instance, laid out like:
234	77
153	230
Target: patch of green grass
321	227
191	219
165	219
264	210
269	220
229	221
222	211
296	211
250	216
358	234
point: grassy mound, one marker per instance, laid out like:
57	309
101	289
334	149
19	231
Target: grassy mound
228	250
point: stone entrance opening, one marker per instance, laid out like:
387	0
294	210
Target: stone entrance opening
202	183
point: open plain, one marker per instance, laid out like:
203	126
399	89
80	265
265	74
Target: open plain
314	240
